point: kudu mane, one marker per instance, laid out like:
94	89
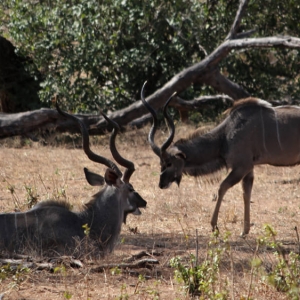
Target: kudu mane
58	203
193	135
65	205
248	102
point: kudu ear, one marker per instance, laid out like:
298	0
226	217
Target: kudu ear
111	177
180	154
93	178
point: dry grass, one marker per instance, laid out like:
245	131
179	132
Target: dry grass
167	227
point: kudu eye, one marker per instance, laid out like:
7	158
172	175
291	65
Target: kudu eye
130	188
169	165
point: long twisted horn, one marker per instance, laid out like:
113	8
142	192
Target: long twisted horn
86	143
169	140
151	135
129	165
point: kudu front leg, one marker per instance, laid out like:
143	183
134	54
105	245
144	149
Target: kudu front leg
233	178
247	188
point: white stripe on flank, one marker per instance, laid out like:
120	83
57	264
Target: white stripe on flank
16	223
277	129
263	130
36	218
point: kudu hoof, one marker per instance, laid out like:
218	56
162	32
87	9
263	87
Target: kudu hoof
243	235
215	228
246	230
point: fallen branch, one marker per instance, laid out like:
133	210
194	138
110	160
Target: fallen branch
142	263
28	262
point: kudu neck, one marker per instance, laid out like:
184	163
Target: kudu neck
104	214
200	149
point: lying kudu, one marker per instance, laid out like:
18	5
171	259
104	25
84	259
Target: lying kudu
51	225
253	133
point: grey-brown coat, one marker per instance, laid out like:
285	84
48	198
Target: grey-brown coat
253	133
52	225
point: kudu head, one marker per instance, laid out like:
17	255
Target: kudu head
113	177
172	160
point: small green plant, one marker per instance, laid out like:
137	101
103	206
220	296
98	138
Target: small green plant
62	193
62	269
124	295
282	209
186	235
201	279
12	190
115	271
18	274
31	196
27	142
87	229
153	291
141	279
286	273
67	295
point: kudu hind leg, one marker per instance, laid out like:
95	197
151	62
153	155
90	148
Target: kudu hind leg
247	188
235	176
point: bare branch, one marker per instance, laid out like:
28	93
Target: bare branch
199	103
237	21
223	85
142	263
245	34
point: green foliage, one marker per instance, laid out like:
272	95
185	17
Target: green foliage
67	295
97	51
268	73
100	52
17	274
124	295
12	190
201	279
285	275
115	271
86	229
63	271
204	279
31	196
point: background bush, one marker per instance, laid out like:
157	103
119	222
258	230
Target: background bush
90	51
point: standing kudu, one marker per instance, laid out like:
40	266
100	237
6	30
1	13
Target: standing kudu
253	133
51	225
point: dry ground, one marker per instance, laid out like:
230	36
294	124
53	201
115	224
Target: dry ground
166	228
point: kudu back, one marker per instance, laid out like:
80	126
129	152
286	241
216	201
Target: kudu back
253	133
52	226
